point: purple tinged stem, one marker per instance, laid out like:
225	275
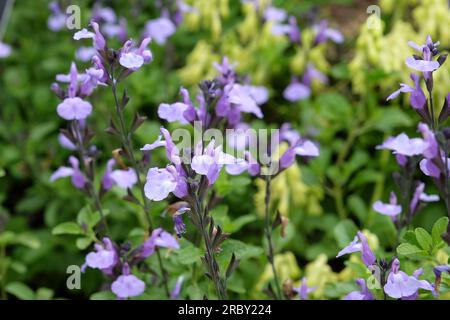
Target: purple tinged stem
268	234
89	183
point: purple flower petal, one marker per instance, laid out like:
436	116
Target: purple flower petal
160	29
74	109
173	112
422	65
160	182
296	91
387	209
127	286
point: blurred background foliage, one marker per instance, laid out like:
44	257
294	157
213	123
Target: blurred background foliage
326	201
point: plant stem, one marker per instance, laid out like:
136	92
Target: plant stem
211	262
128	145
268	234
90	184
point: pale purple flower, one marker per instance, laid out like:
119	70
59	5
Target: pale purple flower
389	209
363	294
307	149
103	14
159	238
303	291
360	244
354	246
160	29
275	14
240	136
421	65
5	50
104	257
209	162
428	197
158	143
83	34
323	33
65	142
296	91
160	183
173	112
414	204
311	74
294	33
428	168
99	42
280	29
400	285
288	134
74	109
226	70
93	78
417	98
367	256
298	146
402	144
179	226
127	285
57	19
172	152
175	293
425	63
254	168
77	177
438	270
134	58
124	179
243	100
259	93
85	53
433	149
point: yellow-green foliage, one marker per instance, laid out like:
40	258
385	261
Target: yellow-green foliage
378	48
208	15
250	42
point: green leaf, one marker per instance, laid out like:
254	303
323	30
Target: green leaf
386	119
410	237
423	238
44	294
188	253
103	295
20	290
407	249
27	240
7	237
439	228
345	232
67	228
83	242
